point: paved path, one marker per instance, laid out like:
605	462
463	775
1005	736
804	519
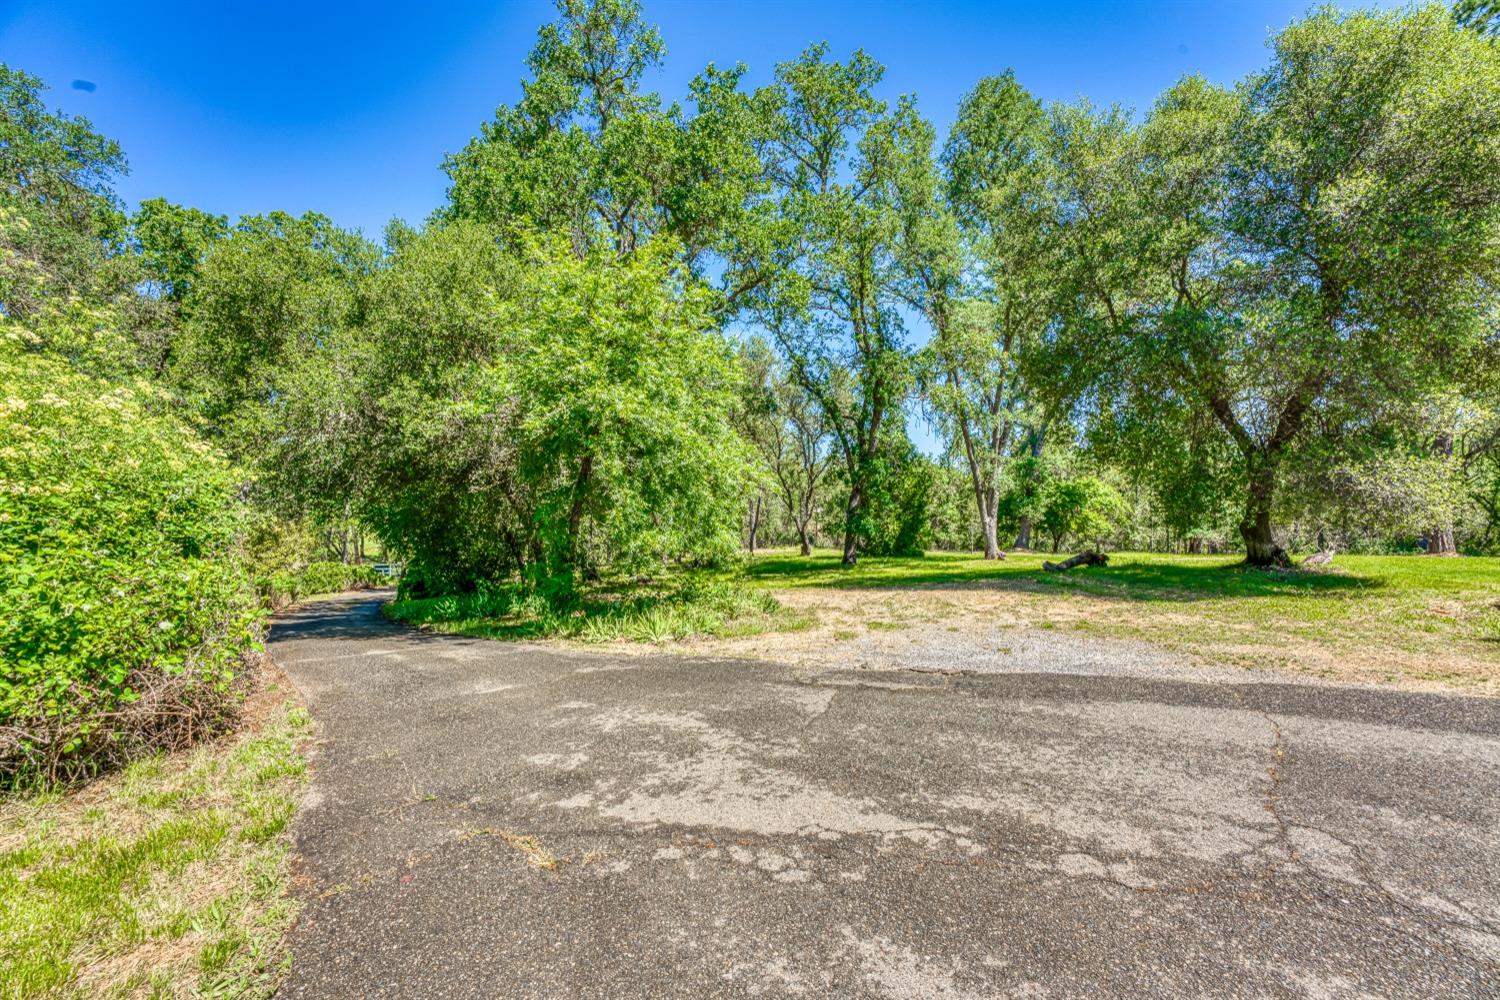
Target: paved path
494	820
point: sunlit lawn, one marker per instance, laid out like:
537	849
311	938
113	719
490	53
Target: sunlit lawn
1436	607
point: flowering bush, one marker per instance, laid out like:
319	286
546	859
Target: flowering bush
125	612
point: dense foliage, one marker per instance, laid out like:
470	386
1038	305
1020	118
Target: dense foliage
528	411
315	579
124	611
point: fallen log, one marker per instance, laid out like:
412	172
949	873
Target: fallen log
1081	559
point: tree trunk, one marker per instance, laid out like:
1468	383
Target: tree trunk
1023	533
989	504
1261	460
802	536
1255	527
1091	558
851	537
575	511
991	542
755	506
1440	542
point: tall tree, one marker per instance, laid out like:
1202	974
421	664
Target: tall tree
790	435
172	241
978	248
276	288
833	306
1307	248
170	244
1375	220
530	411
587	152
60	220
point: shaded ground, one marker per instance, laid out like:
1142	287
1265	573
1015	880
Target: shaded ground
499	820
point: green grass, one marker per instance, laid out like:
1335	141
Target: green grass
166	880
1375	606
680	606
1136	575
1380	618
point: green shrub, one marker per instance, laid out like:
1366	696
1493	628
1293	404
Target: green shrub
280	589
697	607
124	611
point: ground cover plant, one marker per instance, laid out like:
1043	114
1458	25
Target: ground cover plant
675	607
167	879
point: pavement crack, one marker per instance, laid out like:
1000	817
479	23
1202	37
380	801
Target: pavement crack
1272	800
1435	935
1429	930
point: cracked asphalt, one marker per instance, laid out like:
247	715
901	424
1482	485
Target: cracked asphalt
493	820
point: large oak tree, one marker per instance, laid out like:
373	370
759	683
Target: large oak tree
1304	248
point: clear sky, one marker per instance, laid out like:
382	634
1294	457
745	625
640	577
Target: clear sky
241	108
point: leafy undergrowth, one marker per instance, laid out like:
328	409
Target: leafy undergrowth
316	579
165	880
658	612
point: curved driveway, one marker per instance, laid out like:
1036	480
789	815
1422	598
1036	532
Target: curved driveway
507	820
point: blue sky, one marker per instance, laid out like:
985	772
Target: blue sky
243	108
251	107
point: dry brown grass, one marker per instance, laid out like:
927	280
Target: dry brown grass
1384	635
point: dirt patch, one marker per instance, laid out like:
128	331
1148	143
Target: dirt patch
1009	629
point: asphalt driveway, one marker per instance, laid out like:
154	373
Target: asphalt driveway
507	820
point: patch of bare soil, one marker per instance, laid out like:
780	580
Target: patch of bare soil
1004	629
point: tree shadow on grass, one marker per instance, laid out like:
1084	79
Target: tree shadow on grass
1125	579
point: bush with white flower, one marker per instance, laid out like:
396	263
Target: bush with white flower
125	613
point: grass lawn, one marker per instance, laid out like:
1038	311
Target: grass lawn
1423	618
1408	619
165	880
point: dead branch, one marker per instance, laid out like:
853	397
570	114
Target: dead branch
1081	559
